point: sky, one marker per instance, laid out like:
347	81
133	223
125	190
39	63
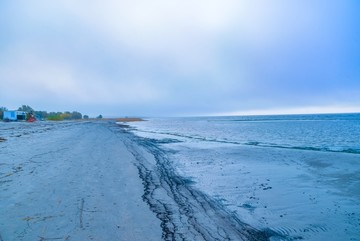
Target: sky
180	57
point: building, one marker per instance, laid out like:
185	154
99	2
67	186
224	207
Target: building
14	115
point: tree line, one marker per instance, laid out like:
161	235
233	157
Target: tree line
44	115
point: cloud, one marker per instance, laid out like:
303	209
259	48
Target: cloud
30	76
180	57
34	77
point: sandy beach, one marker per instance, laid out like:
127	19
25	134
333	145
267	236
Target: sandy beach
109	180
70	181
96	181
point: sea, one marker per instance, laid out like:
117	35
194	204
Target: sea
298	175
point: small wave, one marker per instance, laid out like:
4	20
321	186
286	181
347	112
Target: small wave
287	118
253	143
166	141
250	143
305	148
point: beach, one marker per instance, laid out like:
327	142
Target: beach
96	181
294	177
178	179
70	181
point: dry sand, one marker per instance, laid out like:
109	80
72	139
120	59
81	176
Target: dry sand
70	181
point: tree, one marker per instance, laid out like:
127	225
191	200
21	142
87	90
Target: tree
99	117
41	115
2	109
26	108
86	117
76	115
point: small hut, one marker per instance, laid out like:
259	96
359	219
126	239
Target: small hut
14	115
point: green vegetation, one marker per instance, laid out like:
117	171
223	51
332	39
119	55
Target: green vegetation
64	116
44	115
55	116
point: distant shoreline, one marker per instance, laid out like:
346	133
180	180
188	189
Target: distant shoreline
118	119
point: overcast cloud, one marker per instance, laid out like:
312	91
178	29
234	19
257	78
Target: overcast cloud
166	58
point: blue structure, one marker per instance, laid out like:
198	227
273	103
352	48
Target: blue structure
14	115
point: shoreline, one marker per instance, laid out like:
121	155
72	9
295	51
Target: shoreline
297	193
116	119
187	213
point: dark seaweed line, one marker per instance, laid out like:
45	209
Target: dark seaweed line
186	213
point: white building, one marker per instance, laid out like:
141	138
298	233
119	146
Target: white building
14	115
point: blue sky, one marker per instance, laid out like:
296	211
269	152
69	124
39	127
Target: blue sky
174	58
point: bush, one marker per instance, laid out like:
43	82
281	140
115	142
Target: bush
56	118
76	115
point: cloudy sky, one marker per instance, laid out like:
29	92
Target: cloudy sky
180	57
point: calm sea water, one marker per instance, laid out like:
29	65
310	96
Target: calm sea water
298	175
326	132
